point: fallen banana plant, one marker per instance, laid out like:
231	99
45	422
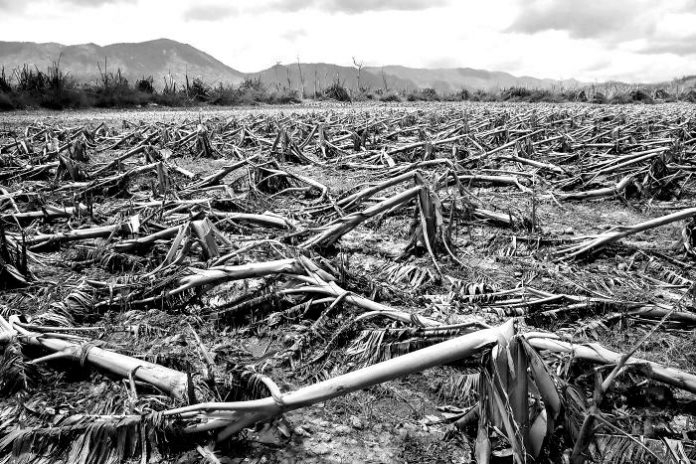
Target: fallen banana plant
217	177
333	232
167	380
319	282
471	180
508	402
47	213
511	372
618	189
14	268
349	201
42	240
598	354
233	417
212	276
600	241
229	418
194	224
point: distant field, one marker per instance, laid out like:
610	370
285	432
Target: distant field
168	114
157	114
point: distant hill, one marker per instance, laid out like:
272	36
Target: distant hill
400	78
686	81
159	58
155	58
453	79
323	75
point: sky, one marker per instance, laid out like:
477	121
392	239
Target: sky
589	40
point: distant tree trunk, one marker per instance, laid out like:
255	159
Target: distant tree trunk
188	87
104	74
277	75
315	83
359	66
299	70
287	75
384	80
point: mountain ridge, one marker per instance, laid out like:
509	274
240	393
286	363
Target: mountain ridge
163	57
158	58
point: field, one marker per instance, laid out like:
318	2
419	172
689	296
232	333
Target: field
443	282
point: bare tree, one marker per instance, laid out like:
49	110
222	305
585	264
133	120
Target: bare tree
359	65
299	69
103	74
277	79
384	80
315	82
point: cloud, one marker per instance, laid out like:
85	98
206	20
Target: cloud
355	6
685	46
294	34
14	5
612	20
95	2
209	12
11	5
598	65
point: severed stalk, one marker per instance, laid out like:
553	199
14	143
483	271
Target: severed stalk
599	354
610	237
233	417
345	224
617	189
168	380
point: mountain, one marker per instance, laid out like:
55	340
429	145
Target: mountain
454	79
155	58
159	58
686	81
323	75
399	78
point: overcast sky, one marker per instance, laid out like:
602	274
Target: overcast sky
591	40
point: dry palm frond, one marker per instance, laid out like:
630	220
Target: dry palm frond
145	331
122	262
624	449
84	439
412	275
460	388
14	271
673	278
241	383
77	306
368	348
13	370
374	346
342	334
473	292
592	327
269	297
